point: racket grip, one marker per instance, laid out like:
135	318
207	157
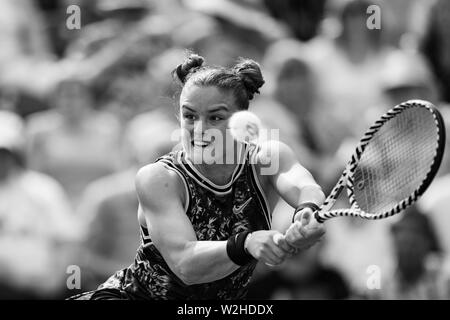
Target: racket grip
318	218
311	205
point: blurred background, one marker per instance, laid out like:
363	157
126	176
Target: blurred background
81	110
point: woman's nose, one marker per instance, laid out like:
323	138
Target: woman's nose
199	127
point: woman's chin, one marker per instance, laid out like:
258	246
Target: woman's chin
205	155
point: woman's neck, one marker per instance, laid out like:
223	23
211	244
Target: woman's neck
221	173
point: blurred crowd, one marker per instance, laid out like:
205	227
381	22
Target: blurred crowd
82	109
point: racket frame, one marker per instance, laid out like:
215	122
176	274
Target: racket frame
346	179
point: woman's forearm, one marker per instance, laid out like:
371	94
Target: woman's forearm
205	261
311	193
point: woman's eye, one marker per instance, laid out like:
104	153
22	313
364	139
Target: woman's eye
189	116
216	118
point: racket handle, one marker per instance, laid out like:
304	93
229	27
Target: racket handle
318	218
314	207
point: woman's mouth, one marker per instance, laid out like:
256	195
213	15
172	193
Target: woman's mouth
201	143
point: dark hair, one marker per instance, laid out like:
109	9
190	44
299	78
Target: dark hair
244	79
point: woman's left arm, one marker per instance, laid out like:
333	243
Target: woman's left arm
291	180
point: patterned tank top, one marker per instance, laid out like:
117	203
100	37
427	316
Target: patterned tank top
216	213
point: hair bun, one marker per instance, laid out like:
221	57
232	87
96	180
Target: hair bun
250	73
192	62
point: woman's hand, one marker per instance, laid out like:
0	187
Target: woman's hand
265	246
305	231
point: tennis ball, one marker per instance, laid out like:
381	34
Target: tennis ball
245	126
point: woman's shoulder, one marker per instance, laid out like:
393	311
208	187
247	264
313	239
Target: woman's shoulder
270	152
155	175
155	182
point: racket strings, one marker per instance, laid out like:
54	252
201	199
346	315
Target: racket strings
396	160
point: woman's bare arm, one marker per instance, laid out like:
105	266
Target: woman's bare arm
160	194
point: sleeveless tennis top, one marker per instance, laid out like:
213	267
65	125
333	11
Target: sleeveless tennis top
216	213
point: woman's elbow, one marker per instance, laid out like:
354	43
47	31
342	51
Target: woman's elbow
187	274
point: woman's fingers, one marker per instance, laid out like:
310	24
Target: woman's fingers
281	242
270	258
263	246
277	251
303	237
312	233
306	215
293	233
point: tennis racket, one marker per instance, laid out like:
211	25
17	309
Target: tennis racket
393	165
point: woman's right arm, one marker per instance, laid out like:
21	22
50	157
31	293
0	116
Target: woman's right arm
160	193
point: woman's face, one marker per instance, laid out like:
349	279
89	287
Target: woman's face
204	114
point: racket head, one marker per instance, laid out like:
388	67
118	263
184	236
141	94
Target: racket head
395	162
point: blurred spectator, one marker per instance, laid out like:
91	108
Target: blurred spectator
347	68
74	143
35	222
436	200
8	99
405	76
404	21
353	245
165	90
240	29
436	203
292	82
302	17
283	127
408	76
22	32
129	95
118	20
436	45
121	40
108	208
55	14
302	277
119	49
25	51
419	273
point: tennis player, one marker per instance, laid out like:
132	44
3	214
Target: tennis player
205	220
